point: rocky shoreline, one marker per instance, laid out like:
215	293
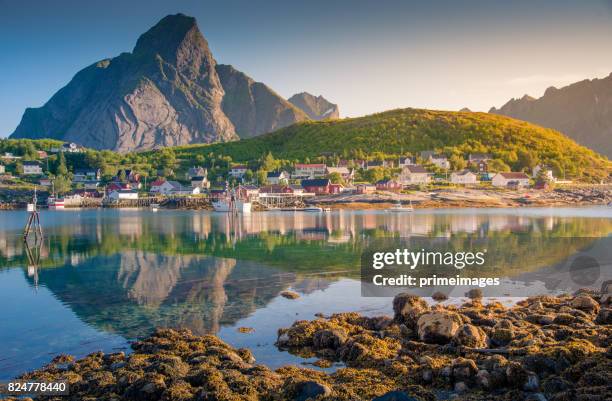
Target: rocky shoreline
543	348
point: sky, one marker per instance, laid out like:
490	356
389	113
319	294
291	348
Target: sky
366	56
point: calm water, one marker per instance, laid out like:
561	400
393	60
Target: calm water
103	278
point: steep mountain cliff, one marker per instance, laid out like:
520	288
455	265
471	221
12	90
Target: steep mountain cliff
582	110
316	107
167	92
253	107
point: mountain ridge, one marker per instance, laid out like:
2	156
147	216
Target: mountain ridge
581	110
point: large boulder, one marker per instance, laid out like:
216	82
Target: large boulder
585	303
438	327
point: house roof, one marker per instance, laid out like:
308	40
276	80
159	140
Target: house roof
198	178
31	163
319	182
416	169
175	185
339	170
158	182
249	187
375	163
272	189
514	176
239	167
315	165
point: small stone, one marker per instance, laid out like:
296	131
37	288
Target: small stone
439	296
310	390
395	396
474	293
516	374
245	330
290	295
483	379
461	387
464	369
471	336
427	375
532	383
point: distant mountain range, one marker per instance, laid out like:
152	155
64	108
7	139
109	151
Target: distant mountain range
168	91
582	110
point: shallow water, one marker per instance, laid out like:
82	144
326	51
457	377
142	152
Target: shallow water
102	278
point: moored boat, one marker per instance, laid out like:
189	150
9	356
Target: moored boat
55	203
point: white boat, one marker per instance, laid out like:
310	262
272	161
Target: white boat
154	207
55	203
399	208
313	209
227	205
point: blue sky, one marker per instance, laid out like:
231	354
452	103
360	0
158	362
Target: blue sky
367	56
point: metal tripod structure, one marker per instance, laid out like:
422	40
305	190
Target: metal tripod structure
33	223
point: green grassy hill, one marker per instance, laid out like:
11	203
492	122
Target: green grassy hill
413	130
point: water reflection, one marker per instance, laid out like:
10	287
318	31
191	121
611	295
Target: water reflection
126	272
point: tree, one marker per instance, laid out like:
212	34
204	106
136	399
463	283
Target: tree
498	165
457	162
18	168
269	163
336	178
526	159
61	166
248	175
262	177
61	184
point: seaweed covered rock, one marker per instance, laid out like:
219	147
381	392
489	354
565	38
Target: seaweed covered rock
473	352
585	302
407	308
438	327
471	336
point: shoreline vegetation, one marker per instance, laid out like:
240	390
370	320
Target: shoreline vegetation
458	197
554	348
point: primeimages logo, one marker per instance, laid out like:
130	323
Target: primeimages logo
412	260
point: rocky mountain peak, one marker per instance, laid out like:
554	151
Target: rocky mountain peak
316	107
167	92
